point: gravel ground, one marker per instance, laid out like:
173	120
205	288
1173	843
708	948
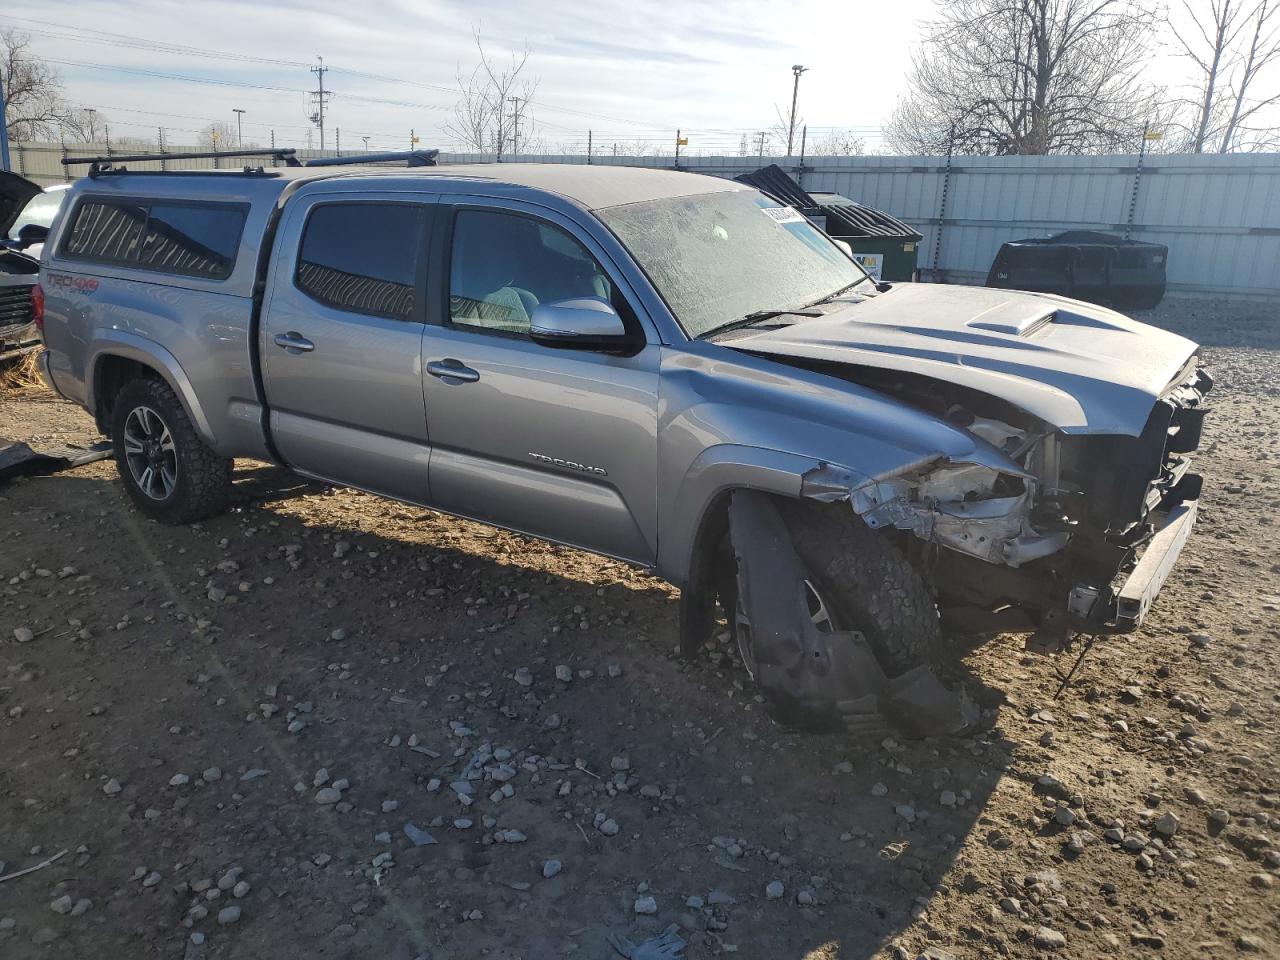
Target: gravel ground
328	725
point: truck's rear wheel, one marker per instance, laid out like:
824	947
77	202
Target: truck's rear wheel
168	471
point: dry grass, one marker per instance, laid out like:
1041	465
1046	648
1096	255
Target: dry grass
21	375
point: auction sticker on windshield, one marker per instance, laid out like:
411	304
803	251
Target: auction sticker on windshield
784	214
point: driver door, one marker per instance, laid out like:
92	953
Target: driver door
553	442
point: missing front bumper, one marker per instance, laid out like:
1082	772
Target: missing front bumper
1107	611
1149	576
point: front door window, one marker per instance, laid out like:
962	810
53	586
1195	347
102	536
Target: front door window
503	265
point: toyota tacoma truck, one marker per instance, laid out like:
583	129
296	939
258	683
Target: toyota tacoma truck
671	369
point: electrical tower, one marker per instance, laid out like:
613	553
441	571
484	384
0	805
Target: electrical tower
515	124
761	139
320	96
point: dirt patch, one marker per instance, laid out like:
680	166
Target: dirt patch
179	709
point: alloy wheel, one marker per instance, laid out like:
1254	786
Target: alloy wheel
150	453
819	613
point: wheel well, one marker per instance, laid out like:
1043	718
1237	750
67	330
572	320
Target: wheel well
697	596
112	374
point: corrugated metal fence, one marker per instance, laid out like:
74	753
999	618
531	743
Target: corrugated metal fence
1219	215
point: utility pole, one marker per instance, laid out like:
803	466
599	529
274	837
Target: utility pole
588	146
796	70
93	135
366	144
677	148
322	95
760	139
337	140
4	132
515	125
239	130
160	140
804	136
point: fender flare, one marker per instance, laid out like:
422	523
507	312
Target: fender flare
685	553
130	346
716	471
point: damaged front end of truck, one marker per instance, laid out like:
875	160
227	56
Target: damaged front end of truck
1036	531
1073	533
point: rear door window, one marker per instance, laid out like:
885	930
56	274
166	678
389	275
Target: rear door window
362	257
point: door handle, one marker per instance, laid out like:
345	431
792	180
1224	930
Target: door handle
451	369
294	341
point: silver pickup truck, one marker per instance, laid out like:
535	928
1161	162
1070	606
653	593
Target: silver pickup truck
672	369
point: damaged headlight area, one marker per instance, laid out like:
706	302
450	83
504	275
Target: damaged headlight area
973	508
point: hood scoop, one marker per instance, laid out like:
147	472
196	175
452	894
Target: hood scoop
1015	318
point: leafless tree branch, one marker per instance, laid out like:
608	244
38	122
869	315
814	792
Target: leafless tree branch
492	111
1028	77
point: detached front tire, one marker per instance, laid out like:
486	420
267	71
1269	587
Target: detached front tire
170	474
866	584
856	580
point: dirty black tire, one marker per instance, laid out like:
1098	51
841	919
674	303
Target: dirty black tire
867	584
203	479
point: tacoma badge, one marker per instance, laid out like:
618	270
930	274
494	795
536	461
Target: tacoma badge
571	464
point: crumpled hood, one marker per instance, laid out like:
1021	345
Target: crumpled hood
1083	368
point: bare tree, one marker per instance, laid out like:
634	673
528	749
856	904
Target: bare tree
33	100
633	148
1231	46
782	125
836	143
1263	52
1027	77
492	112
218	135
1209	44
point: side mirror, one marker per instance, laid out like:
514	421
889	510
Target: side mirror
31	234
584	323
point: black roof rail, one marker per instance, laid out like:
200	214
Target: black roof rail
99	165
413	158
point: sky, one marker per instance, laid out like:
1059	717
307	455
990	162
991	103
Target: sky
630	72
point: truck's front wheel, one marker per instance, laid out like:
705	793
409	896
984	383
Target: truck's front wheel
169	472
856	580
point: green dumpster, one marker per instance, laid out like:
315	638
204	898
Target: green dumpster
885	246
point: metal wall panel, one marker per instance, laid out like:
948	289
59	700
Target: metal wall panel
1219	215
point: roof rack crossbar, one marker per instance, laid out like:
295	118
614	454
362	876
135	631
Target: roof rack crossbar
413	158
283	153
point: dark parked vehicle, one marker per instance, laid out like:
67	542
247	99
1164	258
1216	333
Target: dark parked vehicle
26	213
1087	265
